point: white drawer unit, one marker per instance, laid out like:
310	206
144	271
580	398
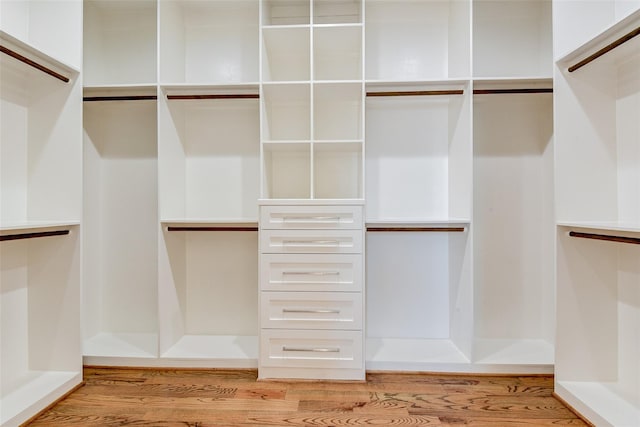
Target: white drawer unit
311	241
311	272
312	310
311	217
311	292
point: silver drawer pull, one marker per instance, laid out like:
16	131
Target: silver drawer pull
311	273
316	311
311	218
312	350
312	242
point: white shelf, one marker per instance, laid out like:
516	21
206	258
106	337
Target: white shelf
599	403
29	226
603	226
286	54
224	351
337	53
438	355
121	345
337	12
34	394
210	222
523	352
286	12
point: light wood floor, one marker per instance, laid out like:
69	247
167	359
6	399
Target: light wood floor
205	398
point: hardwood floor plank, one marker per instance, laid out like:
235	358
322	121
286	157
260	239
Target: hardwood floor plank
220	398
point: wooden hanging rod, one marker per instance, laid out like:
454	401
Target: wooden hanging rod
416	229
510	91
33	64
620	239
418	93
605	49
120	98
21	236
225	228
215	96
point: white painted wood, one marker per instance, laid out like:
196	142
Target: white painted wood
418	157
337	53
513	219
286	12
311	241
311	272
311	310
108	346
286	112
308	217
286	171
120	42
417	40
512	38
208	42
311	349
120	225
209	165
414	354
337	111
225	351
286	54
326	12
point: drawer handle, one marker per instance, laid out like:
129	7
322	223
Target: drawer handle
305	219
311	242
316	311
311	273
312	350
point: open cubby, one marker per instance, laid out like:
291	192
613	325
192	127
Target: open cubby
209	297
418	157
337	111
337	53
286	170
512	38
337	11
337	169
286	12
120	42
120	230
286	54
209	158
286	112
208	42
513	190
417	40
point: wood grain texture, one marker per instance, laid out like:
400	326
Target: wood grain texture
207	398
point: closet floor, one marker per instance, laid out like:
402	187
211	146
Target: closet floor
203	398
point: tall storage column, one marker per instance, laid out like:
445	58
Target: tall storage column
311	206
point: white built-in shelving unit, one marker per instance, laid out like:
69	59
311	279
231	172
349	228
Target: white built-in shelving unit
40	205
598	209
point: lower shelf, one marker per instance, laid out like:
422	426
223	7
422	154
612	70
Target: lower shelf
536	355
37	391
107	348
220	351
394	354
597	402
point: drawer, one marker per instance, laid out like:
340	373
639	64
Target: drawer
311	241
311	217
311	310
306	272
311	349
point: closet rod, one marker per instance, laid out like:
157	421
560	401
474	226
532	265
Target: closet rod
120	98
620	239
605	49
212	228
21	236
418	93
418	229
215	96
509	91
33	64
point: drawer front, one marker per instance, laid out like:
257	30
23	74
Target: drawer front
305	272
311	349
311	241
311	310
311	217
